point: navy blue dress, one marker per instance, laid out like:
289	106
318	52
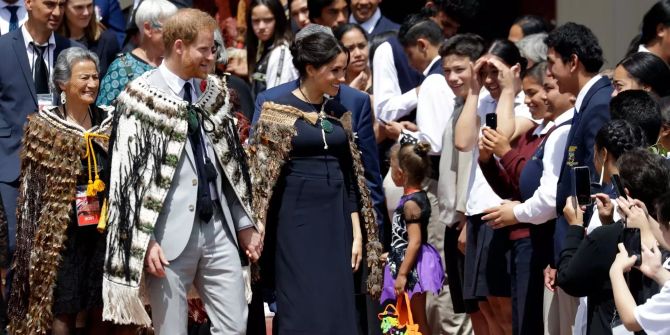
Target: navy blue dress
310	218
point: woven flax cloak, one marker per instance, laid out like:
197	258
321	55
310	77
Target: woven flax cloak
50	164
269	151
149	140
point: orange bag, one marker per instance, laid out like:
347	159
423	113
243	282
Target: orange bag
397	319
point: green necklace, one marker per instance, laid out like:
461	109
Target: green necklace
326	126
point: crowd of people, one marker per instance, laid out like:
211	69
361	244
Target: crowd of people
319	161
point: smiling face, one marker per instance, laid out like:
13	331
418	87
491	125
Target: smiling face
82	88
534	99
78	13
46	13
362	10
327	78
262	22
489	73
562	72
623	81
354	41
556	101
300	13
458	74
198	57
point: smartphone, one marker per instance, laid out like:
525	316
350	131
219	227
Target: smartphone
581	185
630	237
382	122
618	186
492	120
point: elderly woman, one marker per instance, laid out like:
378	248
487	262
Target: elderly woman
60	231
148	55
81	25
308	189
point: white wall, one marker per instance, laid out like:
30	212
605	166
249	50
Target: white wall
615	22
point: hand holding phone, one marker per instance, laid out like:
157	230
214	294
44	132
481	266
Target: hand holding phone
581	185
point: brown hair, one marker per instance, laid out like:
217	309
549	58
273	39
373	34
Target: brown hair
413	160
92	31
185	25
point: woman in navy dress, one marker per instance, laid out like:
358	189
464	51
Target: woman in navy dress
303	159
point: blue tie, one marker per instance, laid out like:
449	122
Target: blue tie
13	19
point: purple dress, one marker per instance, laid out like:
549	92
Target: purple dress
428	273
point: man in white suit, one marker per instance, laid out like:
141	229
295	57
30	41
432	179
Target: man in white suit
202	221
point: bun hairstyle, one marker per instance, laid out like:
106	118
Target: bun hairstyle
644	174
316	49
414	161
620	136
509	53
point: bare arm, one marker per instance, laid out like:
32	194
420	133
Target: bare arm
412	213
357	245
467	126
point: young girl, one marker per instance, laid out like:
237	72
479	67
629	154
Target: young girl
413	265
269	61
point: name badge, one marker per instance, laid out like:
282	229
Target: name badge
44	100
88	208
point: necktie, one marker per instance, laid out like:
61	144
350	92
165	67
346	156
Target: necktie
205	206
13	18
41	71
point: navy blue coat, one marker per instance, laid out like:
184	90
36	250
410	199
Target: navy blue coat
593	114
359	104
384	25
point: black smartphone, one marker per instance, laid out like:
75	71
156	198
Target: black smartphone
618	186
581	185
630	237
492	120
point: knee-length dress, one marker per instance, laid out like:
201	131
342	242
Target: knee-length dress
310	230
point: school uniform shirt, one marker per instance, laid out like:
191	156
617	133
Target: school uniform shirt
541	207
480	193
654	315
370	24
434	109
390	103
280	67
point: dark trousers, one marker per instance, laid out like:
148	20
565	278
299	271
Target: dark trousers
455	267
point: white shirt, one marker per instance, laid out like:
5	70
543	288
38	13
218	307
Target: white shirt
584	90
595	218
480	194
642	48
176	85
541	207
390	103
32	54
287	72
370	24
435	105
654	315
5	15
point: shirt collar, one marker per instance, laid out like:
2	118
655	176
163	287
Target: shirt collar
27	38
584	90
3	4
173	81
427	69
370	24
642	48
565	116
542	128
